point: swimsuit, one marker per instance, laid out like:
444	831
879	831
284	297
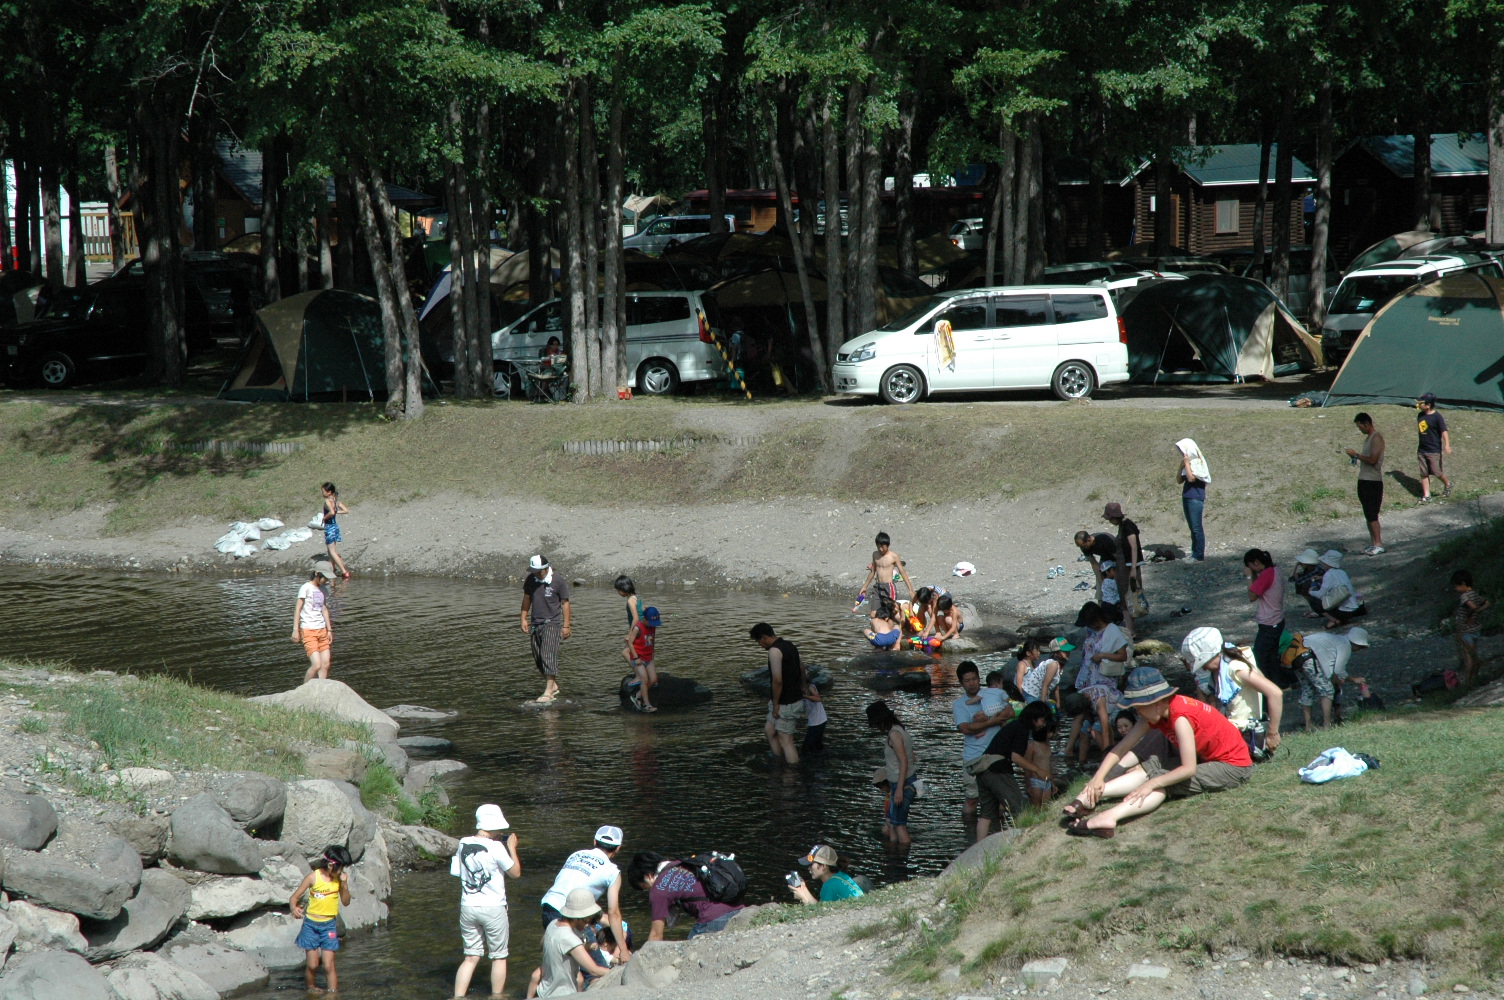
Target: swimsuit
884	640
331	527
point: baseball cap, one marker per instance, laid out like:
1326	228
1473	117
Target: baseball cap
1200	646
652	618
1059	645
1112	510
611	836
537	562
823	853
490	817
1358	636
324	571
1428	397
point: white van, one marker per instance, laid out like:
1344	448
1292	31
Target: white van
1365	291
1068	339
668	340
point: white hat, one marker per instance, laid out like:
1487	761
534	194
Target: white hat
489	817
1200	646
611	836
1308	557
963	569
537	562
1358	636
1332	558
580	903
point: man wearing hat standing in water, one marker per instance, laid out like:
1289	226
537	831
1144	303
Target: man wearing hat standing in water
480	862
545	617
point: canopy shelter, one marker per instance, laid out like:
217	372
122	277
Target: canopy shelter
1214	328
321	345
1446	337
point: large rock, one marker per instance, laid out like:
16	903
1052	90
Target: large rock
419	713
86	870
365	908
394	756
653	965
670	692
318	814
336	765
155	910
1487	695
226	970
53	975
142	778
420	775
41	929
284	874
204	837
425	744
230	897
8	933
376	866
411	845
27	821
147	834
981	852
269	937
252	799
149	976
339	700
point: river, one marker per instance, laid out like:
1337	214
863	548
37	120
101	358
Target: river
676	782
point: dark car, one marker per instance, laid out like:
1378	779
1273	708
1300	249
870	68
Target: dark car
98	332
222	292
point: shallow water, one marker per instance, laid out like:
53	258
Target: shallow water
677	782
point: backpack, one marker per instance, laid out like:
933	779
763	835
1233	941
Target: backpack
720	876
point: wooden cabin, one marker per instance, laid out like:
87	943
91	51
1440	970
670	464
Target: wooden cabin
1212	196
1373	188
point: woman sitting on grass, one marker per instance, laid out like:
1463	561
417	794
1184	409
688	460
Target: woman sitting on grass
1213	757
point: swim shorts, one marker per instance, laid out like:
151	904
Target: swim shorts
315	640
331	533
318	935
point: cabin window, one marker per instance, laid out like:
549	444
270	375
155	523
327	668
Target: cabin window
1227	215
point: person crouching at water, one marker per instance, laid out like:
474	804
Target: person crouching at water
326	888
311	624
825	867
565	955
885	631
1213	757
947	621
479	863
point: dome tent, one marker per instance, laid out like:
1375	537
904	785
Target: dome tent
1214	328
1445	336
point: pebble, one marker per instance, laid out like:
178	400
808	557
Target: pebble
1416	986
1461	988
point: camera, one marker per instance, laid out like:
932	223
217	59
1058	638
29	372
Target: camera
793	879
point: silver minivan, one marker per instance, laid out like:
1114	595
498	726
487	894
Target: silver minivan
668	340
1365	291
668	230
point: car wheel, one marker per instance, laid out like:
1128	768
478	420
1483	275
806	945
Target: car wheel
657	377
902	384
56	370
1074	380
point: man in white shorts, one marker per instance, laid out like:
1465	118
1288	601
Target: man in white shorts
480	863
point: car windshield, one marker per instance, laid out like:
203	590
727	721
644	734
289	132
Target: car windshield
1367	293
67	305
910	317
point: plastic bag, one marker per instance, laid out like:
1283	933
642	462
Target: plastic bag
317	522
268	524
295	535
242	550
245	530
277	543
1331	765
228	543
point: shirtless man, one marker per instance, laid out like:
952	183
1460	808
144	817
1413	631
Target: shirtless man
885	567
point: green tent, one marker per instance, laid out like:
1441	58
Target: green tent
322	345
1446	337
1213	327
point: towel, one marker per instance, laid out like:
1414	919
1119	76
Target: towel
946	342
1199	468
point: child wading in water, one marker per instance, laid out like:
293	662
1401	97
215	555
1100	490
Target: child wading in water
311	624
639	653
330	516
326	887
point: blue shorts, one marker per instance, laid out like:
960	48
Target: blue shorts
1470	638
885	640
1039	784
898	815
318	935
331	533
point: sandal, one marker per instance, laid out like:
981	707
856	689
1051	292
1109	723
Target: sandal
650	708
1078	828
1075	809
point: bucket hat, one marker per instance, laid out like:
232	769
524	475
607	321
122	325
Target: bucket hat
1332	558
1200	646
580	903
1145	686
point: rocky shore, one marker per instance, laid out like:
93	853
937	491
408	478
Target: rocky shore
150	883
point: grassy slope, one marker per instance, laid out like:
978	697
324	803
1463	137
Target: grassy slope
55	458
1406	861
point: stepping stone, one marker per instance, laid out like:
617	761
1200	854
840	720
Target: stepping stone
418	713
425	744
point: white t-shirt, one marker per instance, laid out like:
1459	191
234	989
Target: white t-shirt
1332	652
312	596
590	869
479	864
814	713
559	970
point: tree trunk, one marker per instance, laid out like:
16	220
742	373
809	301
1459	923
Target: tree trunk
1283	192
903	182
117	194
321	224
301	243
407	316
1495	128
1261	202
5	210
614	306
806	175
52	219
715	158
78	264
25	194
1322	224
574	285
459	323
1164	173
481	359
205	217
590	232
866	299
1421	167
1031	187
1053	212
346	208
34	216
1002	177
855	99
1020	250
161	251
271	210
835	278
786	209
1008	179
386	294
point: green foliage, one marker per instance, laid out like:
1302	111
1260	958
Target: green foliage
1481	552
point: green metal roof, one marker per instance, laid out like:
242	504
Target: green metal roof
1235	163
1458	154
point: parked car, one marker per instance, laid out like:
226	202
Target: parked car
98	332
1065	338
969	234
1365	291
222	292
1113	276
669	341
667	230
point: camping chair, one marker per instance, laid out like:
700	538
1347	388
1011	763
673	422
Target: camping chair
544	382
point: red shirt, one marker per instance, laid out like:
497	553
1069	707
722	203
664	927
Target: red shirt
642	643
1216	738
